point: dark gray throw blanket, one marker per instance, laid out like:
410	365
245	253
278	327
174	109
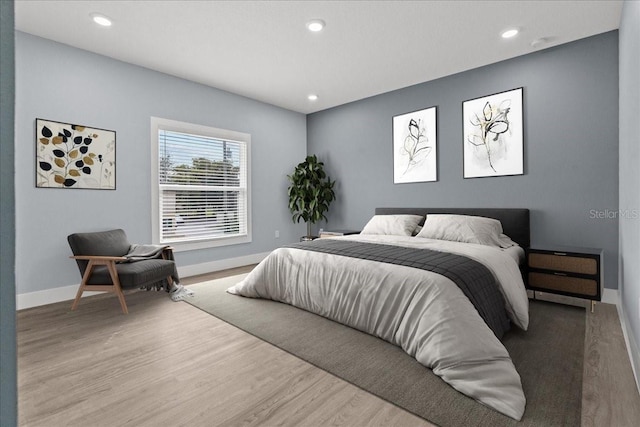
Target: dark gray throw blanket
473	278
139	252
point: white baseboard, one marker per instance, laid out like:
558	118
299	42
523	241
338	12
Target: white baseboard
65	293
222	264
48	296
632	345
610	296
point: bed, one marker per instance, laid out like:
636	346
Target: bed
443	289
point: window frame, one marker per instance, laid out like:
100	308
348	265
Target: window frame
158	124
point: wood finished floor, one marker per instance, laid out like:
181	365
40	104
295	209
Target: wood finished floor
170	364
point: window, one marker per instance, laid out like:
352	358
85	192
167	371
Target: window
201	185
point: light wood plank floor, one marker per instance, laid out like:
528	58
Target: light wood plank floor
170	364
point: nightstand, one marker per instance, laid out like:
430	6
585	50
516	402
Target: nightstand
332	233
570	271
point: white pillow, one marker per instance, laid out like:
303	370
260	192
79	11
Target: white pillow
397	225
465	228
506	242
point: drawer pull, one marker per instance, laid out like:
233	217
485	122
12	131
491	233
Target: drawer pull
559	274
560	253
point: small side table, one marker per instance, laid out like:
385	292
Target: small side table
570	271
333	233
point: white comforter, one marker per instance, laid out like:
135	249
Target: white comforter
424	313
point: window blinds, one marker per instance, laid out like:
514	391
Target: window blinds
203	187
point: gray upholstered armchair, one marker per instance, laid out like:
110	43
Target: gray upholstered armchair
101	258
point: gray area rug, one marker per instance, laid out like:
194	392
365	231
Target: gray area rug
549	358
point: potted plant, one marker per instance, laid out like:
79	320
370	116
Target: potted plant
310	193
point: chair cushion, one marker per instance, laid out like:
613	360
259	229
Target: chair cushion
105	243
134	274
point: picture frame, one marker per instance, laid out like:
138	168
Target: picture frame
493	135
415	144
72	156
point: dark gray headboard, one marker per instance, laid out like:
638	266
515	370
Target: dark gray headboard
515	222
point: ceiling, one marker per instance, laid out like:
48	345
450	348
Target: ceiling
263	50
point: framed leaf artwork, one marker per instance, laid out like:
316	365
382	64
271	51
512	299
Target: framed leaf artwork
74	156
493	128
414	146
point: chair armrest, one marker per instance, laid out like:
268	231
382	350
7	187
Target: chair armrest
98	258
167	253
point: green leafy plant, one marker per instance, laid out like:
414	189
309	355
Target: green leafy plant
310	193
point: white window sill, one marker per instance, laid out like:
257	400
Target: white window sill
184	246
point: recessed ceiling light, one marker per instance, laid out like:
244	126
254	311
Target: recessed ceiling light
315	25
511	32
312	97
101	19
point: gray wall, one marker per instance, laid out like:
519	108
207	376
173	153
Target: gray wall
58	82
8	394
571	146
630	172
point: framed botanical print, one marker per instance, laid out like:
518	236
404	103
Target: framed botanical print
415	146
493	129
74	156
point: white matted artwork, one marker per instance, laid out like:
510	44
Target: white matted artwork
74	156
414	146
493	135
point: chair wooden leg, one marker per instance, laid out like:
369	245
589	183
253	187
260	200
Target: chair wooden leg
78	296
117	289
83	285
167	254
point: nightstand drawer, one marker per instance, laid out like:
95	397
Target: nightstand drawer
568	284
559	262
